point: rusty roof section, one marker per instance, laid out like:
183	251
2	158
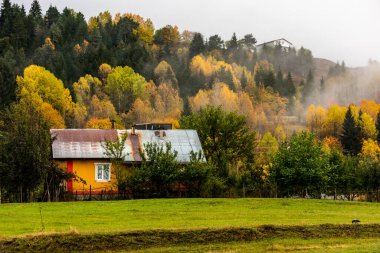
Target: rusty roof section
135	143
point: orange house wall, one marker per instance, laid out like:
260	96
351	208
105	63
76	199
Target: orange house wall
85	169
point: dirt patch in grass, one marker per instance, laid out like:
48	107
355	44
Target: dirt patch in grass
158	238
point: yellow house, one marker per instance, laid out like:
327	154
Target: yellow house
81	151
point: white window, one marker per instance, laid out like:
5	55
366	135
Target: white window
102	172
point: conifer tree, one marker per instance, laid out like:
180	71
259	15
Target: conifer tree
309	85
289	88
233	43
351	134
279	81
5	18
322	85
378	127
197	45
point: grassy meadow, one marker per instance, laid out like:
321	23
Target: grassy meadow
195	225
132	215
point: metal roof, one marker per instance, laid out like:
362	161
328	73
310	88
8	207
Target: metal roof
88	143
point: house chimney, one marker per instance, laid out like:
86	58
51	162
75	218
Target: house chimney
162	134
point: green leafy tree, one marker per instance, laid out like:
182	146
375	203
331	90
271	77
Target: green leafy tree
227	142
124	86
301	167
194	175
158	171
27	151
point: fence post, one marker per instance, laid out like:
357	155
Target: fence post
90	192
76	195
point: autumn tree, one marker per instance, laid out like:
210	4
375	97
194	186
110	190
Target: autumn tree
334	120
164	73
39	86
315	119
367	126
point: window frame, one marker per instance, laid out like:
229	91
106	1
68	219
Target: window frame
97	170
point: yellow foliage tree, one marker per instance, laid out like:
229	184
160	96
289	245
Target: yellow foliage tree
315	119
39	83
42	89
370	149
52	116
334	120
368	126
369	107
332	143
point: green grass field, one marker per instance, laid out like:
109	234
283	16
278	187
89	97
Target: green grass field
115	216
111	217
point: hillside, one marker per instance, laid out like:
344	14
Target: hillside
321	67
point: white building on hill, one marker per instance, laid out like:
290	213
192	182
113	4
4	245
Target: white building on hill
285	44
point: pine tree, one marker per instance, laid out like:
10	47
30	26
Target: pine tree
215	43
309	85
197	45
7	81
322	85
289	88
5	18
35	11
51	17
279	82
351	134
233	43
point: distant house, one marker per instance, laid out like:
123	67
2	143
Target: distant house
285	44
81	151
